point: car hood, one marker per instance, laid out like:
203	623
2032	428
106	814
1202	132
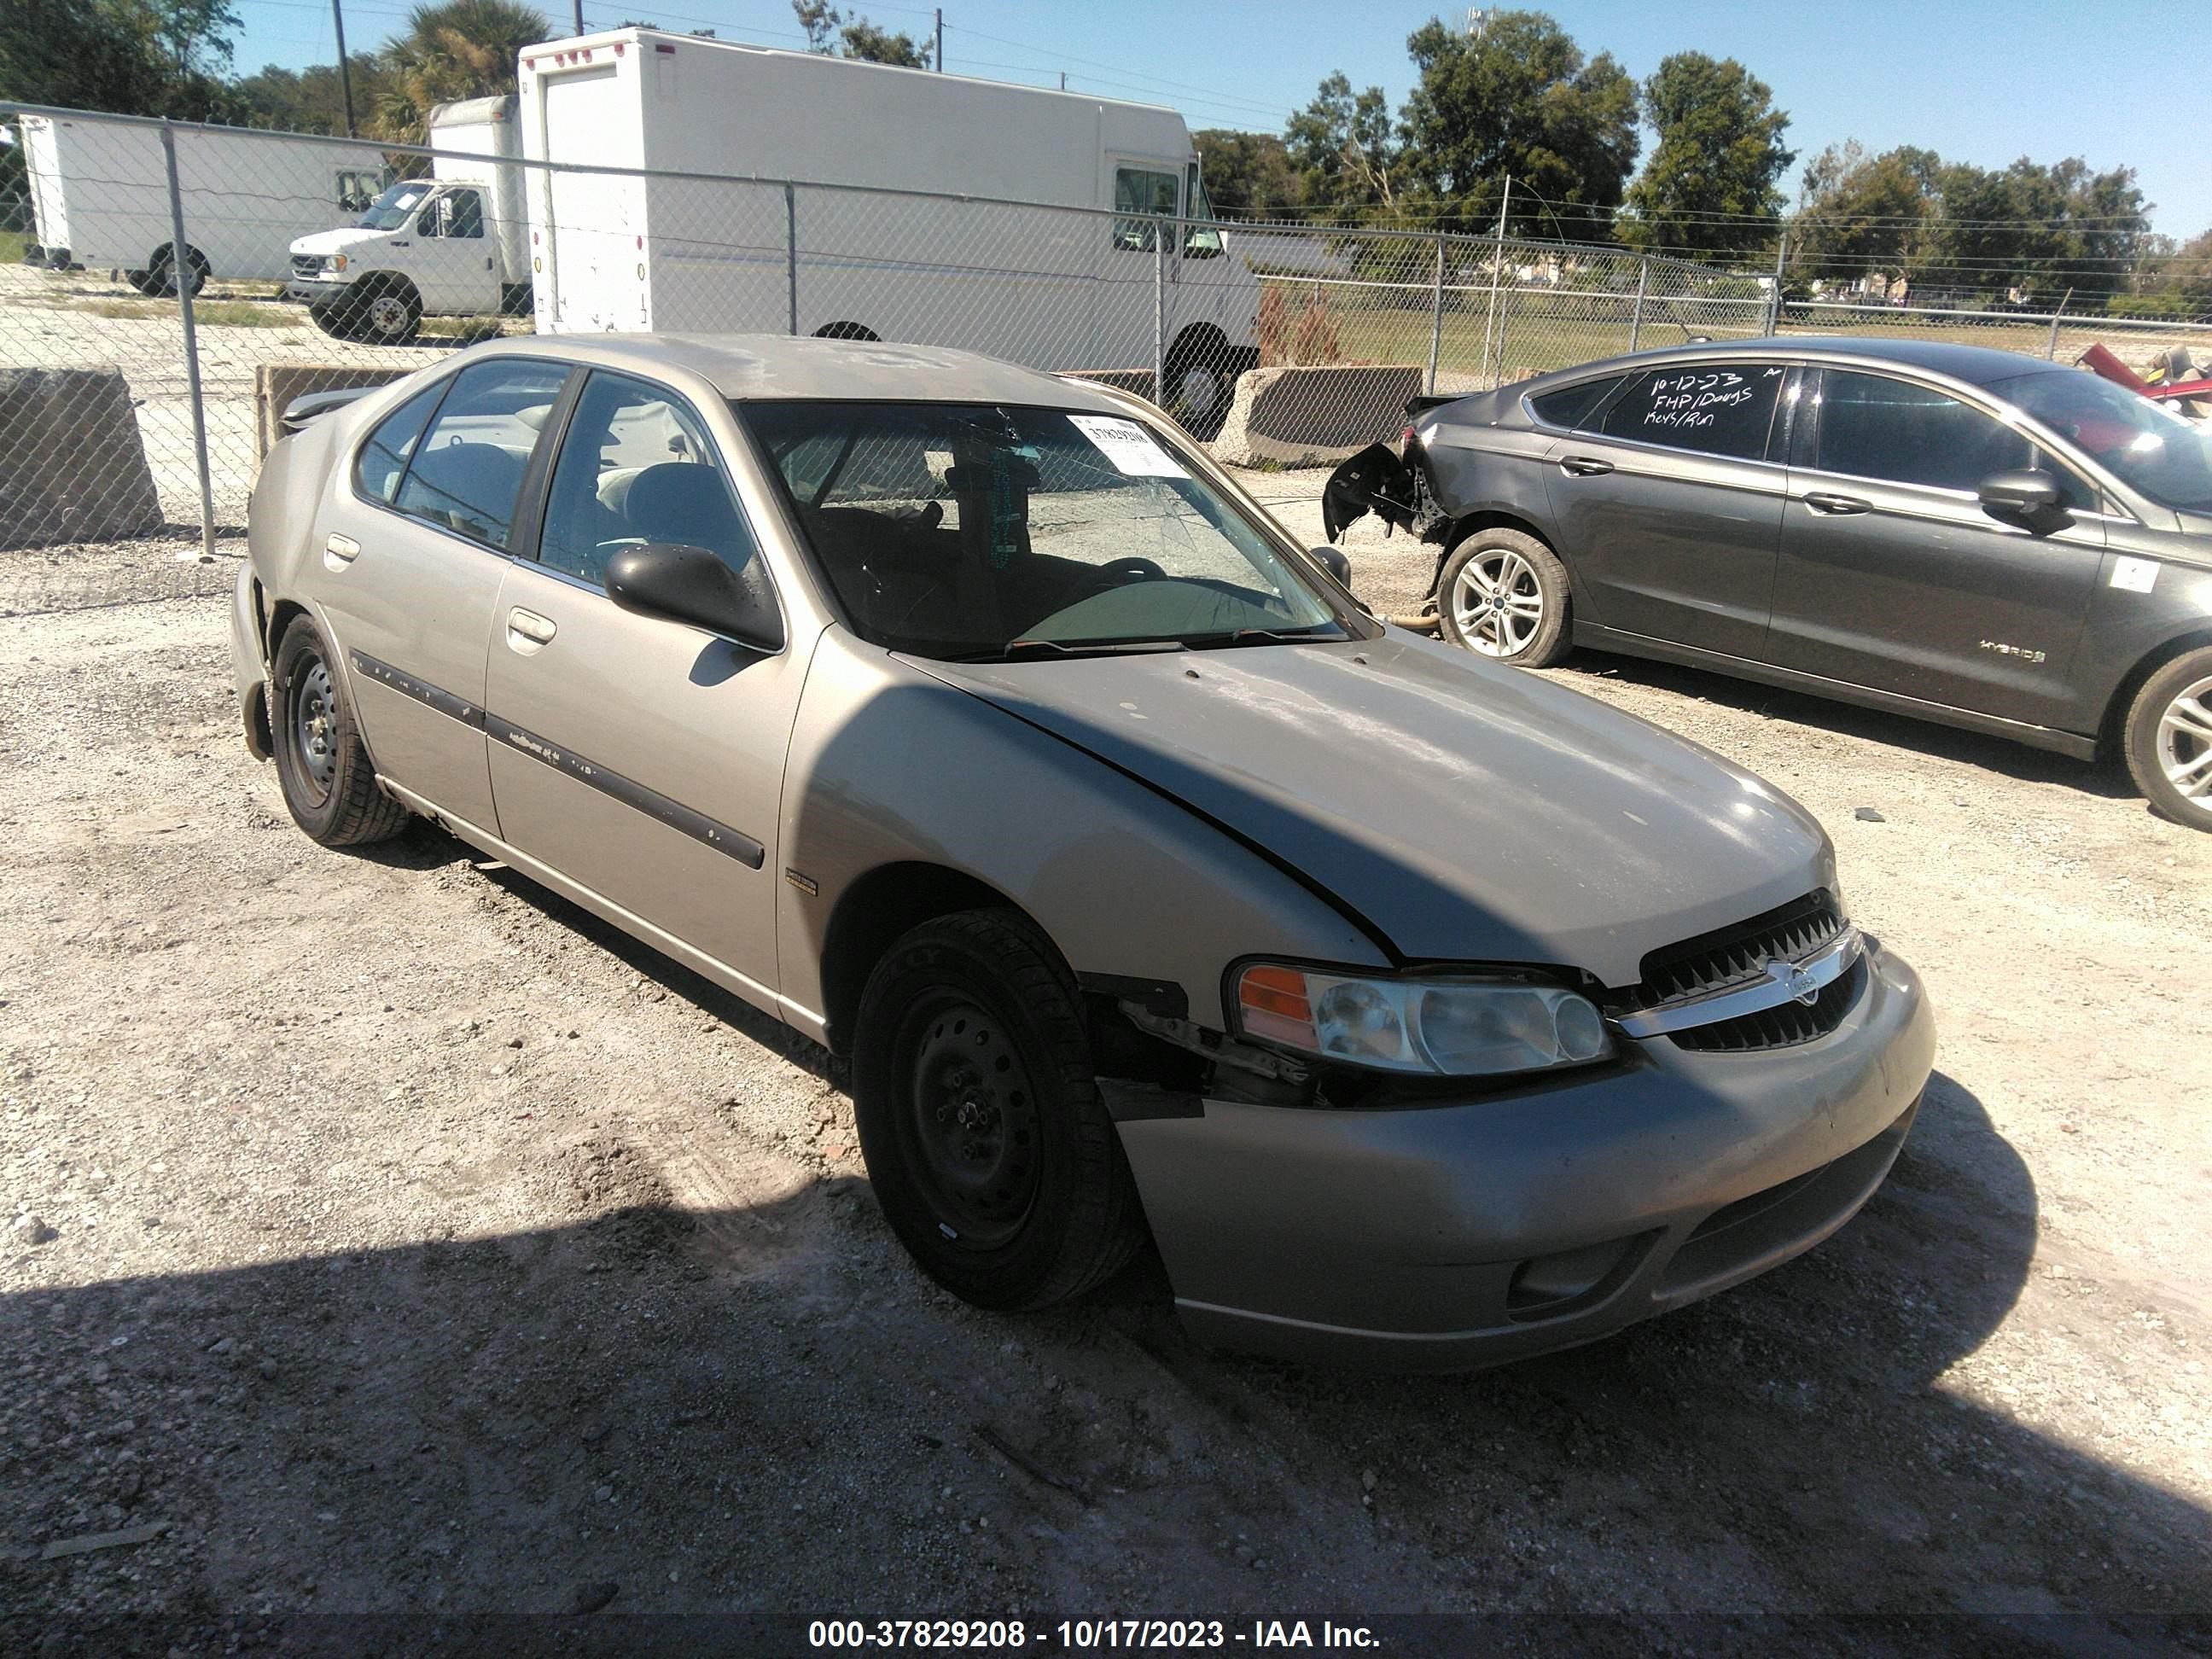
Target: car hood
1467	812
342	241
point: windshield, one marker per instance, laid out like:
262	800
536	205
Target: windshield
975	532
2149	447
393	208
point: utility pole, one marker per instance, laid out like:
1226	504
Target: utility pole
941	40
345	70
579	16
1063	79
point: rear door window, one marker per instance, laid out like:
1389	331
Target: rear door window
466	475
382	459
1713	407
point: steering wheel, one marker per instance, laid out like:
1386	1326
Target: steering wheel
1133	569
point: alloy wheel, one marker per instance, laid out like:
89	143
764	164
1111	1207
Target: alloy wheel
2185	741
1497	603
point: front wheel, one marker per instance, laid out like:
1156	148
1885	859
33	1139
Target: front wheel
1504	594
991	1152
329	783
2169	738
388	313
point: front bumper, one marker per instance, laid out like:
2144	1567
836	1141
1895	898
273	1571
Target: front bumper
314	291
1453	1236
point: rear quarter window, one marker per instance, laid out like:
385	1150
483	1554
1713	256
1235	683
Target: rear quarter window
1568	406
377	469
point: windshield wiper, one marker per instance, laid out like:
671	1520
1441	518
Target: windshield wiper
1236	636
1014	650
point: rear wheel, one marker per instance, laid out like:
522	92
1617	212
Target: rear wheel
159	280
990	1150
1504	594
329	784
2169	738
846	331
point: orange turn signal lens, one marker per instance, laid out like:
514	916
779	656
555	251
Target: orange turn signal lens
1272	1002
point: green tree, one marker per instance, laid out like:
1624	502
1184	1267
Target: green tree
131	56
2035	232
1247	173
1864	217
1710	184
1519	98
459	49
309	100
829	34
2180	278
1344	148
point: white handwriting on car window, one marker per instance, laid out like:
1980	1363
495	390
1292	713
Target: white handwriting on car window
1694	399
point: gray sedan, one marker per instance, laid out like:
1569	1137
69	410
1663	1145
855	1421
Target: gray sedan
1969	536
972	723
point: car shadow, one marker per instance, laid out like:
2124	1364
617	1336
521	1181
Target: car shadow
2101	778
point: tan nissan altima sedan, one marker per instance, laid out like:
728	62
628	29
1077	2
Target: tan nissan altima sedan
1426	1013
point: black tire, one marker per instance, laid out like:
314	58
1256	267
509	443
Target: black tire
159	280
1530	571
846	331
389	311
2168	738
991	1152
1200	359
329	786
336	320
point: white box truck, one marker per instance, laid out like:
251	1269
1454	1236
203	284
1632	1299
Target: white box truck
99	196
453	245
1055	290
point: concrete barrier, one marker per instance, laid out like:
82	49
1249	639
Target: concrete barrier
72	463
1315	417
276	385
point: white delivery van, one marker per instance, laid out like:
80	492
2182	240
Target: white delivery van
1055	290
448	245
100	194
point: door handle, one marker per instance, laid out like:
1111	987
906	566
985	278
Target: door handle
399	245
1836	506
527	631
1585	466
339	551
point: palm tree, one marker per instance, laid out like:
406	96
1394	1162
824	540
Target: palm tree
459	48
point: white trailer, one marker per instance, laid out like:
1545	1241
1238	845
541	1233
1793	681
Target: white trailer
1055	290
452	245
100	194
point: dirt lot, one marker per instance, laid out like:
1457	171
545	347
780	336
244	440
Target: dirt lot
406	1241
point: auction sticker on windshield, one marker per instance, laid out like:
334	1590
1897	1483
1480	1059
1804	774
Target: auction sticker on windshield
1129	447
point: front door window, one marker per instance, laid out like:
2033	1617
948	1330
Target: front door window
1142	190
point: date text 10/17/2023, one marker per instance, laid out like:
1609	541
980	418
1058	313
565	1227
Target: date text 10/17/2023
1085	1635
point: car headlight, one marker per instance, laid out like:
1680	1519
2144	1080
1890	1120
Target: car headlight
334	262
1455	1026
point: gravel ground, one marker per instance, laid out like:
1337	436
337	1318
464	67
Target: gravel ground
384	1234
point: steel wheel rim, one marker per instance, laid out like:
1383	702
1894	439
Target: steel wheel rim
972	1123
1497	604
314	708
387	315
2184	742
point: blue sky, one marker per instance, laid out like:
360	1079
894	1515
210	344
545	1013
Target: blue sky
1981	81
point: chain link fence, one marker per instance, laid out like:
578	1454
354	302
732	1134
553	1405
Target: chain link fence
155	319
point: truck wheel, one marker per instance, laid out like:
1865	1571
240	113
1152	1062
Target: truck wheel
159	280
846	331
979	1112
1200	386
329	786
1502	594
388	313
2169	739
336	320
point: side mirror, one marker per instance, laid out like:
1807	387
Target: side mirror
2027	493
1335	564
676	583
